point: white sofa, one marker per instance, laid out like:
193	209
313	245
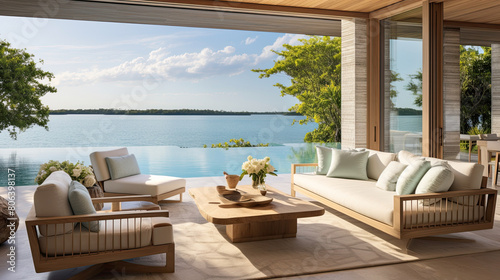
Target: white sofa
403	216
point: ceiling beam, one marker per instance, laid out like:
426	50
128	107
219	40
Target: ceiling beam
395	9
229	6
464	24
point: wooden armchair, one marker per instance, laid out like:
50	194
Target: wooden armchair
139	187
60	240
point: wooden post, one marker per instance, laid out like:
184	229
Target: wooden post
432	79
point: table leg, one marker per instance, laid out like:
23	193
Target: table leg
495	170
262	230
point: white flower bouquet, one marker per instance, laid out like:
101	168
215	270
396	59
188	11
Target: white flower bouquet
78	172
257	169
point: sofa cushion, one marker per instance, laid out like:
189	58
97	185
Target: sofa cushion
409	178
406	157
377	162
358	195
98	160
389	177
51	200
437	179
468	176
144	184
81	204
122	166
348	164
324	159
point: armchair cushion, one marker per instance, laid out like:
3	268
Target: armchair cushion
117	234
81	204
122	166
324	159
144	184
51	200
98	160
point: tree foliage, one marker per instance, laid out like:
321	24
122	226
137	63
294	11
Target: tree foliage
314	69
20	90
475	96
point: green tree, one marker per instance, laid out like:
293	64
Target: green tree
20	90
475	96
314	69
415	86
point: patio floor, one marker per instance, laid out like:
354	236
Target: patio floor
461	266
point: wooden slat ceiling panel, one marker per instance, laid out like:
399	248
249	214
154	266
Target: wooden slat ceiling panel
339	5
480	11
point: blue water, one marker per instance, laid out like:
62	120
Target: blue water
163	145
181	131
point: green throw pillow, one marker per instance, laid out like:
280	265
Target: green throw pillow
324	159
438	179
348	164
81	204
409	178
124	166
389	177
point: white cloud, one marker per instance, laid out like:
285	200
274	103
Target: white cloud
193	66
250	40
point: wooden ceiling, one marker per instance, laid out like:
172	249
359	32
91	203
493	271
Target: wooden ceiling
475	11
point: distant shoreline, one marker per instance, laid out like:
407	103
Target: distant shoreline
153	112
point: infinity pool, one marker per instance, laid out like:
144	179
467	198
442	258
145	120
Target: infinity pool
159	160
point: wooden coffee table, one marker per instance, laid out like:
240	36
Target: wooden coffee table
276	220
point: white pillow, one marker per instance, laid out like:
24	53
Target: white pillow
408	180
437	179
324	159
407	157
389	177
377	162
348	164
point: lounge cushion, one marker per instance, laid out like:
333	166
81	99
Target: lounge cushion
389	177
81	204
324	155
98	160
377	162
114	235
51	200
144	184
122	166
348	164
409	178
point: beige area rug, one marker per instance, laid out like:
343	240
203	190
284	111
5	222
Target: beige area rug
327	243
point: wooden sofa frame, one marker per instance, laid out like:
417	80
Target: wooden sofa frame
403	230
107	259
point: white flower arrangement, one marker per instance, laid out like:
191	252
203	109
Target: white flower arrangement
78	172
257	169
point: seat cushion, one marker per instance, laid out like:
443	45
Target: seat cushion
114	235
51	200
361	196
144	184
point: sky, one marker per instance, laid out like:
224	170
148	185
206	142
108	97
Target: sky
133	66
